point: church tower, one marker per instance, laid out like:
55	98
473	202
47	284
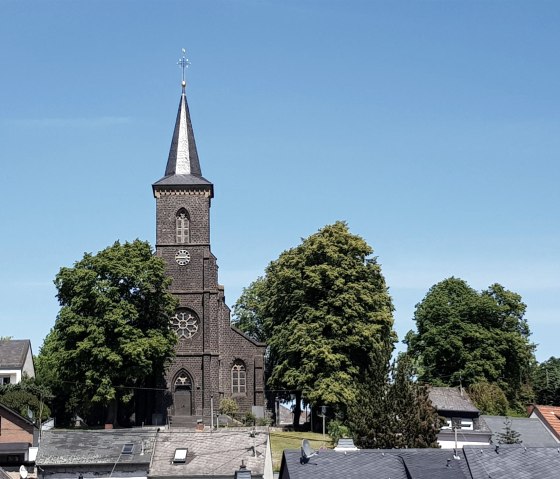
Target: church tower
213	359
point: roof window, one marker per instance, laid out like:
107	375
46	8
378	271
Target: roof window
180	456
127	448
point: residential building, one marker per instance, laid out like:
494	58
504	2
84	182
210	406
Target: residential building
550	417
86	454
16	360
217	454
469	462
463	425
18	438
532	431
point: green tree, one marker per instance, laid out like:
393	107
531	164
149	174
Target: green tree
415	421
546	382
26	398
392	409
509	436
247	311
112	335
369	415
324	307
488	398
464	337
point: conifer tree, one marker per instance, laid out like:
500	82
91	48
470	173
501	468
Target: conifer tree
509	436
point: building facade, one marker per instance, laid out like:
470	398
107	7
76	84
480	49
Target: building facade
213	360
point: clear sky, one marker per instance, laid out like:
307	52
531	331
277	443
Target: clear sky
431	127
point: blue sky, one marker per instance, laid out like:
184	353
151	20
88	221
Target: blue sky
431	127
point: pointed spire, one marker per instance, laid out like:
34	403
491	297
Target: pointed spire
183	157
183	167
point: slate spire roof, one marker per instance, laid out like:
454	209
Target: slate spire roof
183	166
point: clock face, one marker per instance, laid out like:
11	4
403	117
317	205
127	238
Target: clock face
182	257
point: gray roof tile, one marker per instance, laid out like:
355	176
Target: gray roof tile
13	353
216	453
451	399
94	447
532	431
374	464
513	462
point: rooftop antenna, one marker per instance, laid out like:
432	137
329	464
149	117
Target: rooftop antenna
184	64
307	452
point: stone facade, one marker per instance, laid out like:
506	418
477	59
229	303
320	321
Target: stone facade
209	351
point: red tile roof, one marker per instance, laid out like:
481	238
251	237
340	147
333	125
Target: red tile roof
550	415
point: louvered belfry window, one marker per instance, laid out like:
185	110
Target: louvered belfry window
182	226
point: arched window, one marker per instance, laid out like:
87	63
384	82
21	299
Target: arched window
183	381
182	223
238	378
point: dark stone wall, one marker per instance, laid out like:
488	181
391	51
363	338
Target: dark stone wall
210	353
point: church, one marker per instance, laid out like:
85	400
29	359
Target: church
213	360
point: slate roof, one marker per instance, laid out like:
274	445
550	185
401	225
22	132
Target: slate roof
214	454
183	166
532	431
375	464
513	462
13	353
76	447
476	462
451	400
550	415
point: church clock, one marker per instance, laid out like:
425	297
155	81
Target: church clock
182	257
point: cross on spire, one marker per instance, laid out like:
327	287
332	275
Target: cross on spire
183	63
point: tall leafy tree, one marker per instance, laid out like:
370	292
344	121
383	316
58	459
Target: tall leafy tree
322	307
464	336
546	382
247	310
112	335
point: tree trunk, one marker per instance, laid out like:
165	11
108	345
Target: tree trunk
111	415
297	411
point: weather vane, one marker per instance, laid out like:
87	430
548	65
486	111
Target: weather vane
184	63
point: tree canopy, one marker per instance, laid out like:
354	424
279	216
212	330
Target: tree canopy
546	382
112	333
464	337
392	409
27	398
322	307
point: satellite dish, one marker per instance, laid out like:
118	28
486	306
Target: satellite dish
307	452
23	472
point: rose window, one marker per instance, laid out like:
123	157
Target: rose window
184	324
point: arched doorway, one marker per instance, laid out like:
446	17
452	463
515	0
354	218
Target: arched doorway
183	394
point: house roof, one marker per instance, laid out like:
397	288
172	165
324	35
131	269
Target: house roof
512	462
13	353
75	447
378	463
550	415
214	454
451	400
532	431
16	416
475	462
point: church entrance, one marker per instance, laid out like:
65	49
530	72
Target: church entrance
183	395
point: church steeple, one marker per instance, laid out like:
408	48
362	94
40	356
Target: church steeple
183	167
183	157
